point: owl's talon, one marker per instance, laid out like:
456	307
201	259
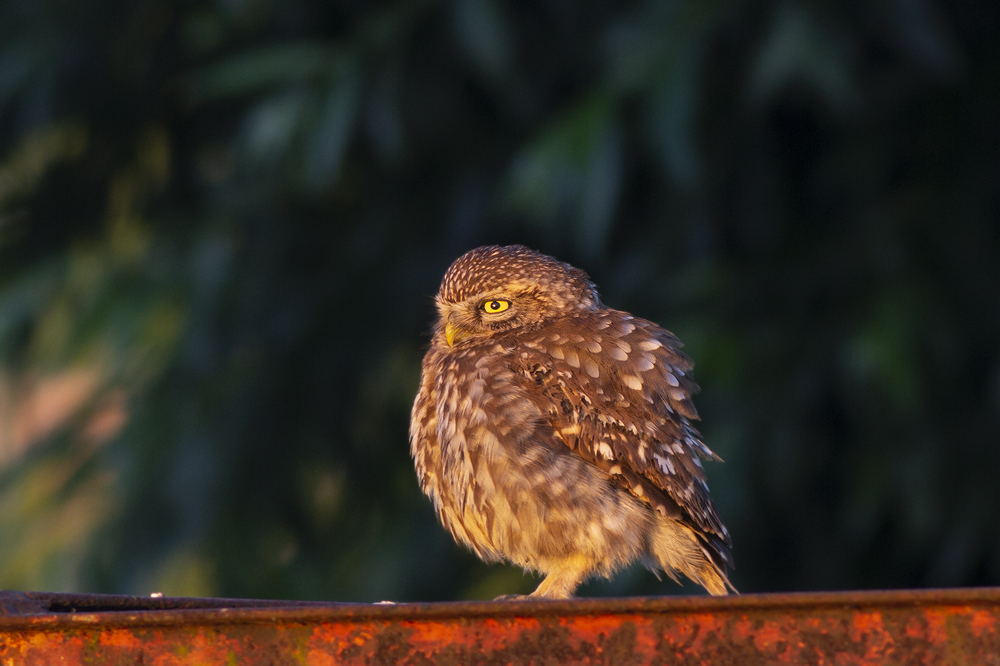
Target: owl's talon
512	597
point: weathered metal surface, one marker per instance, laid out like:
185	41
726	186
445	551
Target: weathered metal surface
854	628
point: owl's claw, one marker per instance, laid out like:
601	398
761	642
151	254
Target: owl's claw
512	597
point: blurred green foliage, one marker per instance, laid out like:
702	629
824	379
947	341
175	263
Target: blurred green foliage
222	222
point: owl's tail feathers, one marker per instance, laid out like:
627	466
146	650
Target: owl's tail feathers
676	548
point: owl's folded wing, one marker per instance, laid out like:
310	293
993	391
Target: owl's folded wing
616	390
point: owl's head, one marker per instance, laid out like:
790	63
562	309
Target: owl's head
494	289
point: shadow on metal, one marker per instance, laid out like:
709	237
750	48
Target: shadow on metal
960	626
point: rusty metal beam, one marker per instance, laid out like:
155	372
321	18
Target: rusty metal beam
960	626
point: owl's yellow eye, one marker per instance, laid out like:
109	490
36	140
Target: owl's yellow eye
496	305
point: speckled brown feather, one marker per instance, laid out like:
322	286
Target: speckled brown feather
558	436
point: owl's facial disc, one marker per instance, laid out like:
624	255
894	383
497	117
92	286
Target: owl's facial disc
460	324
486	313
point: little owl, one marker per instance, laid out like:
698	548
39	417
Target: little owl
556	433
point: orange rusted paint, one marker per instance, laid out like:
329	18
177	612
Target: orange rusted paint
844	629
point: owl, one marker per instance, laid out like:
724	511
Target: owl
556	433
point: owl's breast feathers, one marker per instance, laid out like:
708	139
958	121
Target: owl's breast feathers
601	388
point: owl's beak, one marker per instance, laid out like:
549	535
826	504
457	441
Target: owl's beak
451	333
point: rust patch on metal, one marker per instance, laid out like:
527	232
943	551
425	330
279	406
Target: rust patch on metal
852	628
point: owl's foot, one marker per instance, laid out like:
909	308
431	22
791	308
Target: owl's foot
512	597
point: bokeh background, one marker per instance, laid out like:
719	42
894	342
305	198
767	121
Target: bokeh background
222	223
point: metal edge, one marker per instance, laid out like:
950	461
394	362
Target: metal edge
246	611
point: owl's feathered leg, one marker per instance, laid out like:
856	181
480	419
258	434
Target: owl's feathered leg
561	581
675	548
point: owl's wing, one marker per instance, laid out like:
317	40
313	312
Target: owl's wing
616	390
